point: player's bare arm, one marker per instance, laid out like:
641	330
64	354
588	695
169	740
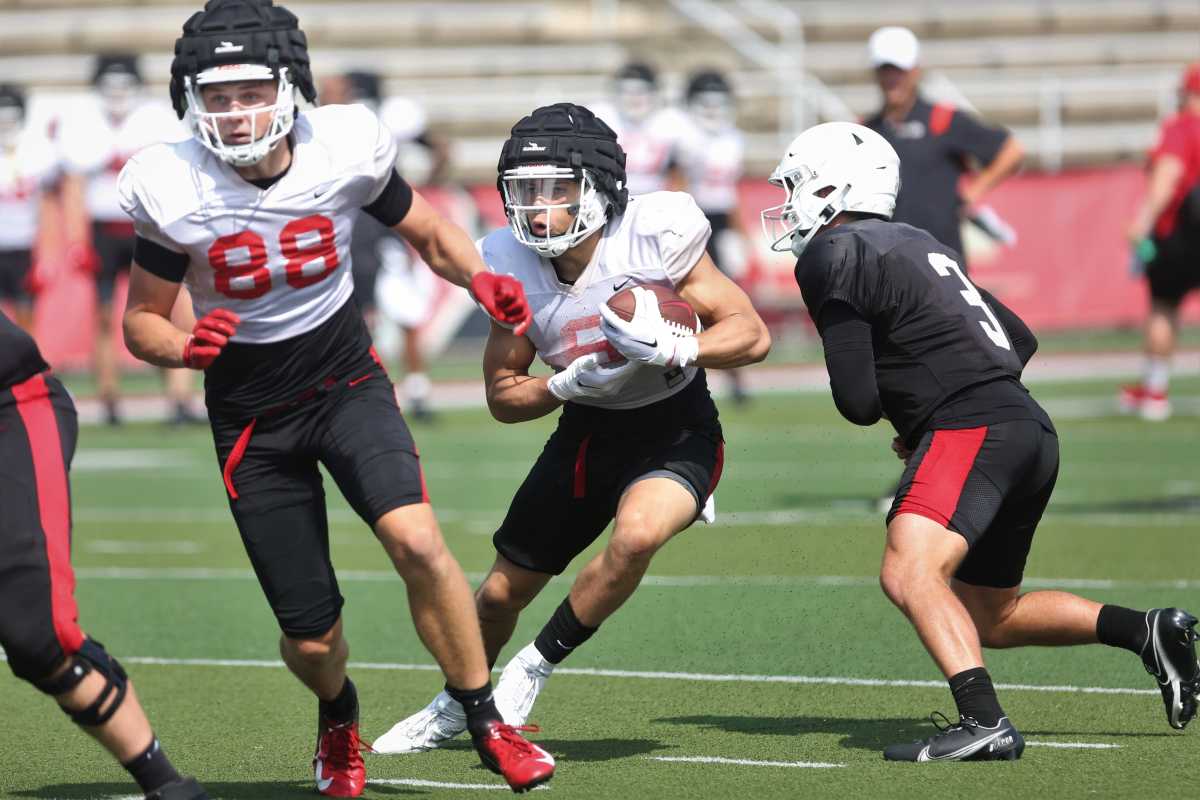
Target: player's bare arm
513	395
734	335
1004	164
149	333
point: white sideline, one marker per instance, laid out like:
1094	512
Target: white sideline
746	762
367	575
812	680
1076	745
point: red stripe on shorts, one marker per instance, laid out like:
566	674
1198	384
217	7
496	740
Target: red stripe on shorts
943	471
720	466
580	486
235	457
54	505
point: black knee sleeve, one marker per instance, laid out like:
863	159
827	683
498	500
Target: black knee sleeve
91	657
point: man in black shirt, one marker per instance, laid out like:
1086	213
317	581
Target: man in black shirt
39	621
936	143
908	337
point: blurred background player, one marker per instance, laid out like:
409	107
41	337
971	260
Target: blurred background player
95	139
1165	234
27	164
39	620
709	154
937	143
647	130
392	286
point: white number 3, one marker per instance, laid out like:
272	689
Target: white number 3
944	265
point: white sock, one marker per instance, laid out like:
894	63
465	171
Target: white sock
416	387
1157	374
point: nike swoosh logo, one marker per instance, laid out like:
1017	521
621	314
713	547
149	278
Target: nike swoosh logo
563	646
322	783
652	343
617	286
357	381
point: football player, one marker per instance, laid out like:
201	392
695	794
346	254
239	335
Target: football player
910	338
27	165
39	620
647	130
638	439
95	139
710	157
255	213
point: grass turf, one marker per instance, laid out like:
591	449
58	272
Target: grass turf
783	586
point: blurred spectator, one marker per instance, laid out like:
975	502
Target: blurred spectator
709	154
1165	234
936	144
388	275
647	131
96	137
27	166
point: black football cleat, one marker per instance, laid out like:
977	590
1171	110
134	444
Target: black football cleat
182	789
965	740
1170	656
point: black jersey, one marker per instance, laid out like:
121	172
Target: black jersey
249	380
19	355
942	357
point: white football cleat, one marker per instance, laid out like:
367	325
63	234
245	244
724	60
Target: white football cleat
440	721
520	683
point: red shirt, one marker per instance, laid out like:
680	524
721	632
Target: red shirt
1179	136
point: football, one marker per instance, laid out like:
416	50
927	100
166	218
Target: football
674	308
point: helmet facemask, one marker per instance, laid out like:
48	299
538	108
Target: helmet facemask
543	188
809	205
205	124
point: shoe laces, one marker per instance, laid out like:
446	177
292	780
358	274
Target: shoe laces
511	734
946	726
341	741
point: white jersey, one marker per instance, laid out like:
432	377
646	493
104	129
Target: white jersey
712	163
649	145
93	145
25	171
278	257
659	239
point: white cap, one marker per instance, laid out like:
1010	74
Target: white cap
895	46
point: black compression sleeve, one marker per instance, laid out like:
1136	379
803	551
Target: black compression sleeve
393	202
850	359
1023	341
158	260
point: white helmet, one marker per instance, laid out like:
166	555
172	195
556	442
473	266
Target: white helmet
828	169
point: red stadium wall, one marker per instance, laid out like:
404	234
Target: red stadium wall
1069	268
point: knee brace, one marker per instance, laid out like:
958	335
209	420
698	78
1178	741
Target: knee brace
91	657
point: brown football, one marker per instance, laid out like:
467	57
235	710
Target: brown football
674	308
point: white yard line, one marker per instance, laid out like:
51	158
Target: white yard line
664	581
813	680
442	784
744	762
1076	745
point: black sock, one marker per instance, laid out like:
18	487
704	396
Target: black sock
976	697
1122	627
562	634
344	707
152	769
479	705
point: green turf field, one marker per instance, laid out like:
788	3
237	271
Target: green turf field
745	643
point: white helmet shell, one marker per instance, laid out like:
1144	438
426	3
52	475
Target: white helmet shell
828	169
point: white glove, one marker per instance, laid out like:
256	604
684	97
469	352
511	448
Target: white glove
648	337
587	377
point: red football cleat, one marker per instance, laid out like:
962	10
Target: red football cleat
522	763
338	763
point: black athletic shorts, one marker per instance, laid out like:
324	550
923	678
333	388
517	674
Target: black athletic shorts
14	275
38	618
114	247
1175	269
571	494
351	425
990	484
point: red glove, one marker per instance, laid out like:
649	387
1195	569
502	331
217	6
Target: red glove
82	258
211	333
503	298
